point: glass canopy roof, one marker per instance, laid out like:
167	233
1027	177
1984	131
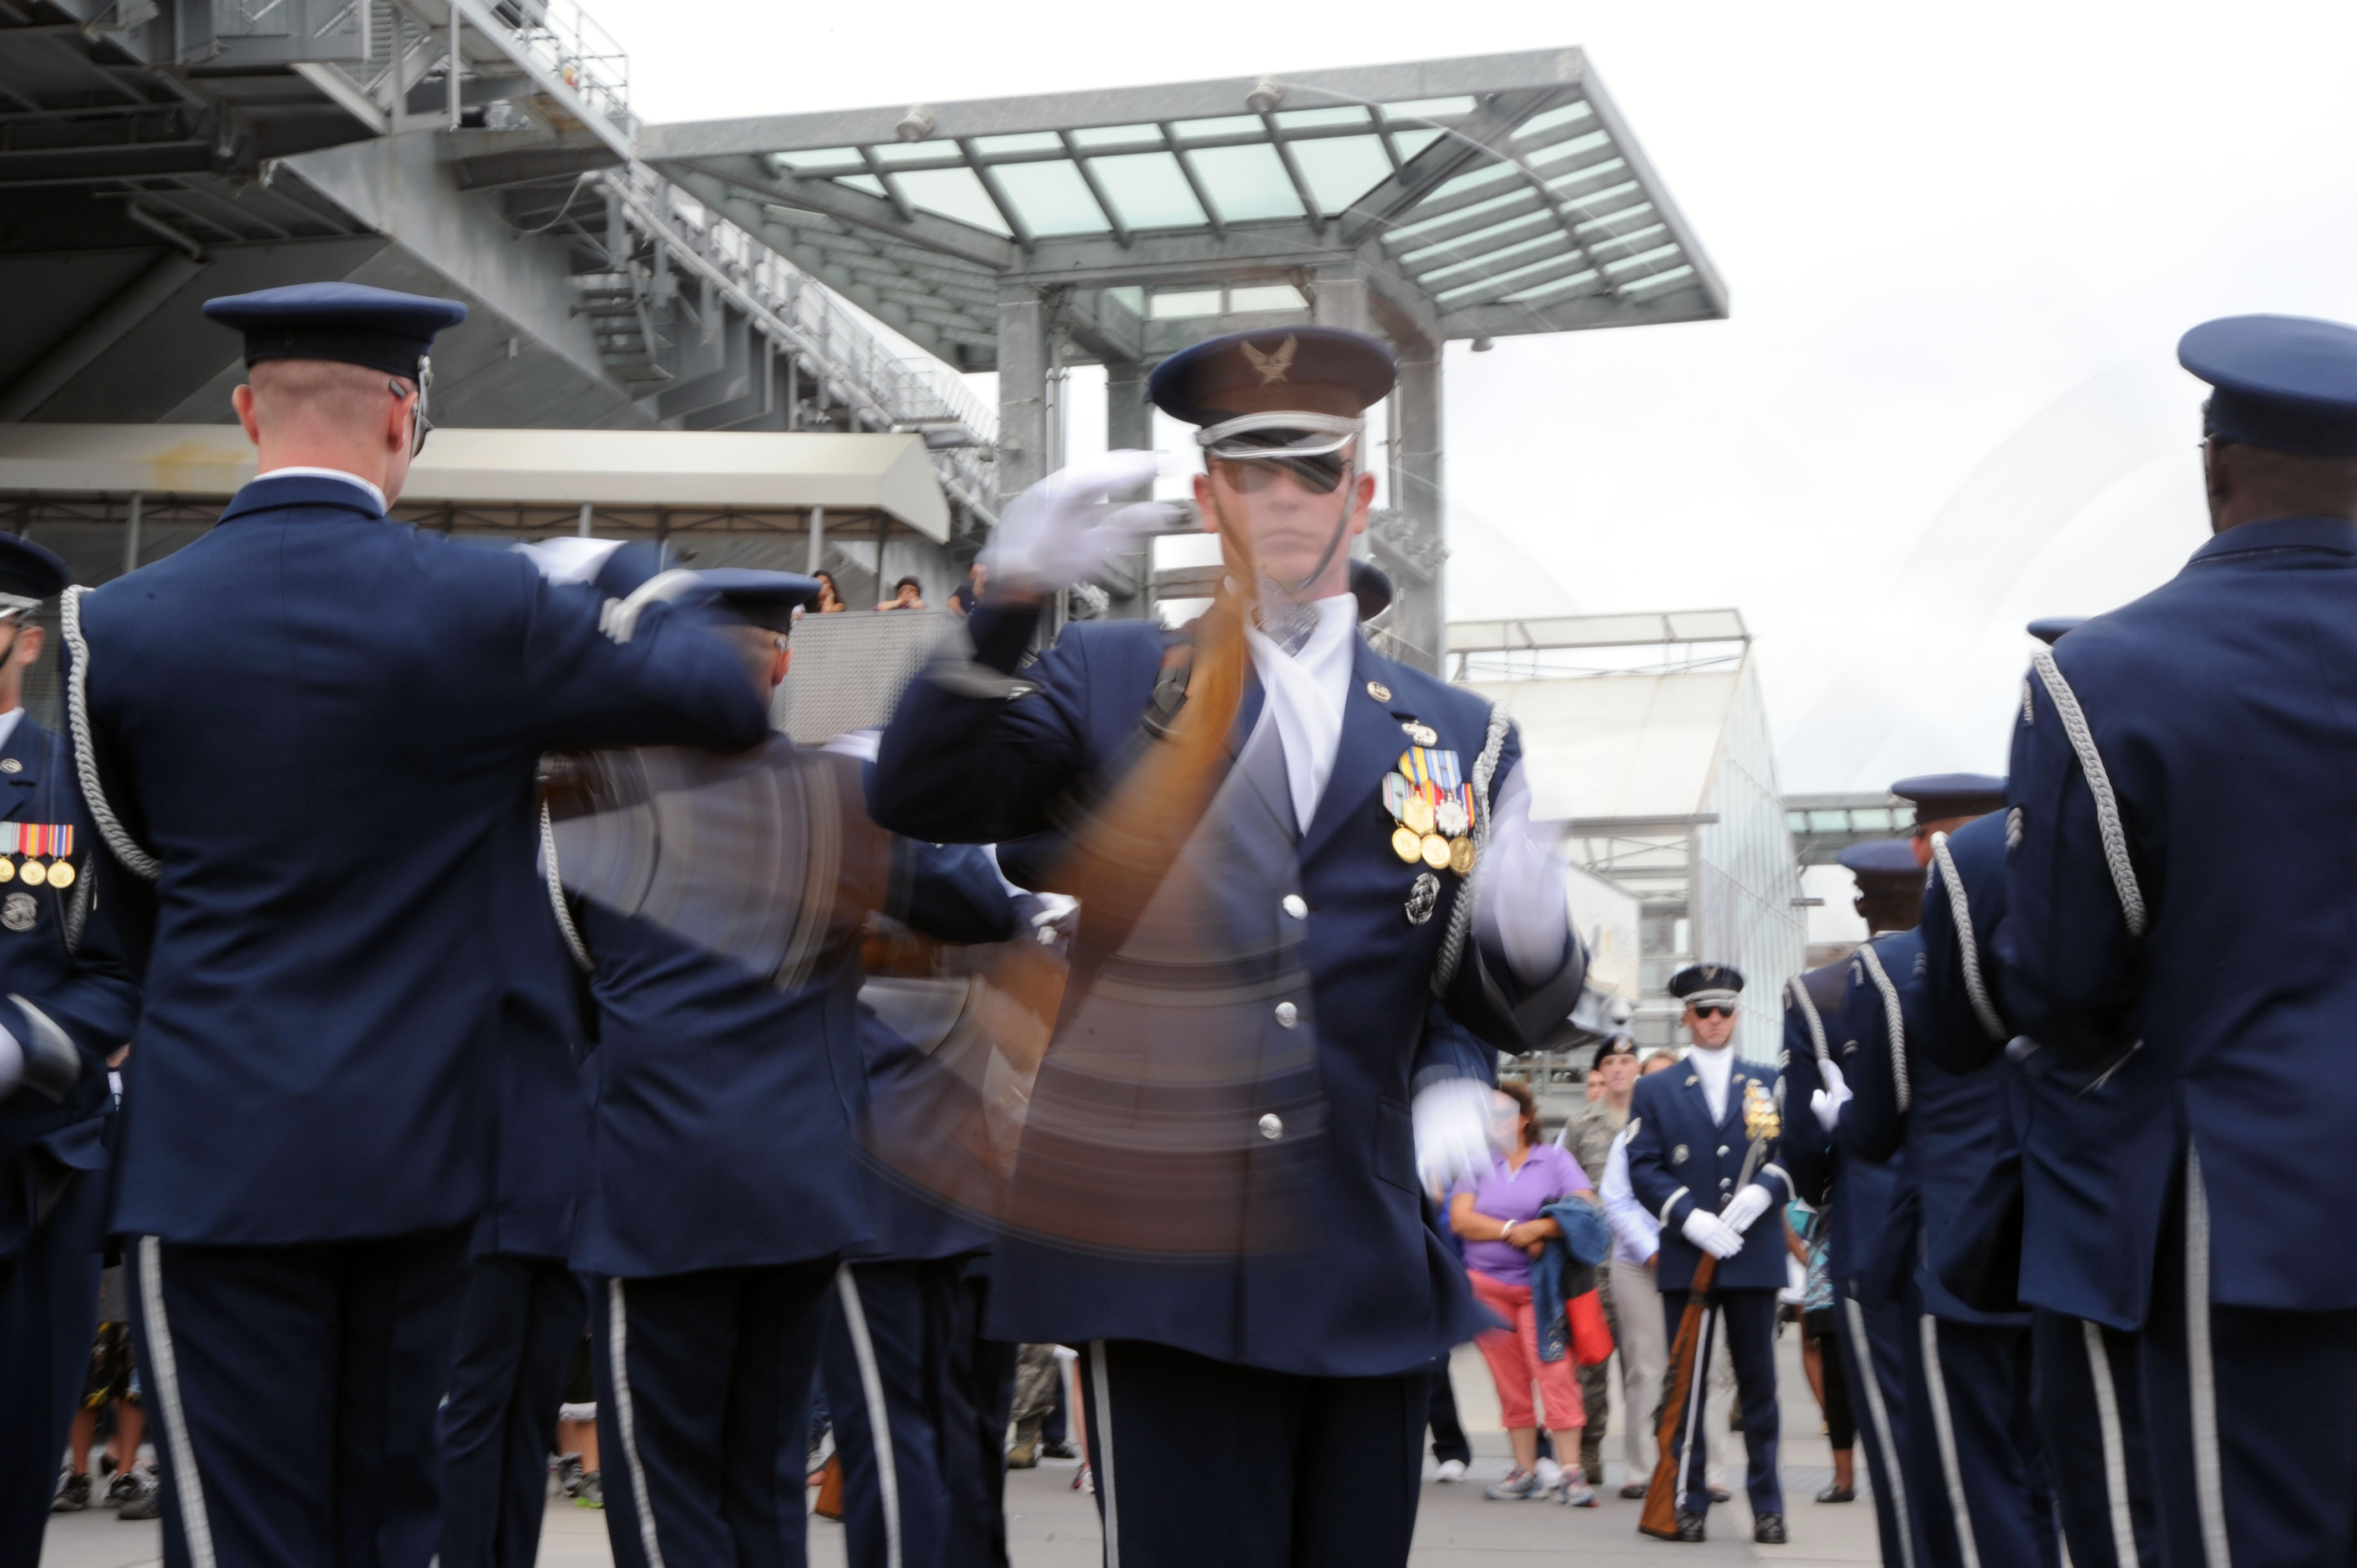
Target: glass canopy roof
1479	197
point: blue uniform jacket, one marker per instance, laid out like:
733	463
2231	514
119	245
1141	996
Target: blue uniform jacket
53	1154
1375	1288
327	726
726	1108
1870	1203
1681	1157
910	1227
1953	1128
2224	706
543	1120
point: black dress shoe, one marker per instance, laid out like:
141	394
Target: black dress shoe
1768	1530
1719	1494
1838	1495
1689	1525
1634	1490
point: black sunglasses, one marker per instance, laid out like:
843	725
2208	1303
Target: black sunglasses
1713	1010
420	427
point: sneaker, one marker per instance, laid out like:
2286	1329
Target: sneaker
592	1491
1520	1486
73	1493
1550	1474
1450	1471
568	1476
1058	1451
124	1488
1576	1489
148	1503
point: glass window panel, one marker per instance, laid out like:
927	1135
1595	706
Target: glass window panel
1267	296
867	182
1796	822
1186	301
1028	141
822	160
1341	169
1429	109
1247	183
1306	119
891	153
1550	119
1226	125
1150	190
1490	175
1412	142
954	193
1051	198
1568	149
1659	280
1119	136
1132	299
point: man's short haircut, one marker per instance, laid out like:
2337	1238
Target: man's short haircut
908	583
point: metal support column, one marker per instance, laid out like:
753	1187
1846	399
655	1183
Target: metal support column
1129	427
1022	391
1337	297
817	540
589	517
131	536
1411	543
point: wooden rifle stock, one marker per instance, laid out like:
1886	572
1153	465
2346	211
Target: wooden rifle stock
1661	1515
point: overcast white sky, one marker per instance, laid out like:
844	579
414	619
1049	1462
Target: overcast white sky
1961	243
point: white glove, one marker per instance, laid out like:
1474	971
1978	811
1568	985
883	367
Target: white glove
1712	1234
1746	1207
1452	1131
1521	907
1053	535
1827	1103
12	1063
568	559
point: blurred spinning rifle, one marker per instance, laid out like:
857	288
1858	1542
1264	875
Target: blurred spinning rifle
1659	1518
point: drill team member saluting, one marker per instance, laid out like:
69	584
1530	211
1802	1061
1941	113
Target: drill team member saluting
316	732
1289	850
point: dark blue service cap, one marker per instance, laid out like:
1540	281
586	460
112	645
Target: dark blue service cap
1883	865
2048	628
1938	795
1310	370
28	573
343	321
1707	982
1615	1046
766	599
2283	381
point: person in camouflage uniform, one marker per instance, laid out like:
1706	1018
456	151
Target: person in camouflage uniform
1588	1137
1035	1396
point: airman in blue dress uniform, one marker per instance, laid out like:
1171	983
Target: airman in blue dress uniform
1975	1474
2180	892
72	1002
727	1086
315	736
2085	1383
1703	1155
1869	1200
1280	864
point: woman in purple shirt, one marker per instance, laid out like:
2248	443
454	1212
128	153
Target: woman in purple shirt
1501	1215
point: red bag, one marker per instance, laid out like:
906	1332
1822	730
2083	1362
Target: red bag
1591	1336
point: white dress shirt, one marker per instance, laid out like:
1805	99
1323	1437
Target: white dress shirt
1713	1068
374	494
1636	1235
8	725
1304	693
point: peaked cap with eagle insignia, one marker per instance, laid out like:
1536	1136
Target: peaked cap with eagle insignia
1707	985
1312	369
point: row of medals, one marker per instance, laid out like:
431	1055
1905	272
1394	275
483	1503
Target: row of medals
1434	831
33	872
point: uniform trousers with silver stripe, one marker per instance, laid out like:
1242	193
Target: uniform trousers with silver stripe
704	1387
1873	1338
1975	1474
1199	1461
291	1393
2101	1465
944	1392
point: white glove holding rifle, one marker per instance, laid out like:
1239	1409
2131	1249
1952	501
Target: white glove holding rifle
1061	531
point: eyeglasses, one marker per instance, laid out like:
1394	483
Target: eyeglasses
1714	1010
420	427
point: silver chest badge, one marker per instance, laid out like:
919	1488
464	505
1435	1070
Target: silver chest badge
1678	1154
1421	897
17	912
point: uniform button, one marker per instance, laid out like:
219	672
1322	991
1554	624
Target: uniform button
1288	1015
1296	905
1724	1182
1722	1149
1271	1126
